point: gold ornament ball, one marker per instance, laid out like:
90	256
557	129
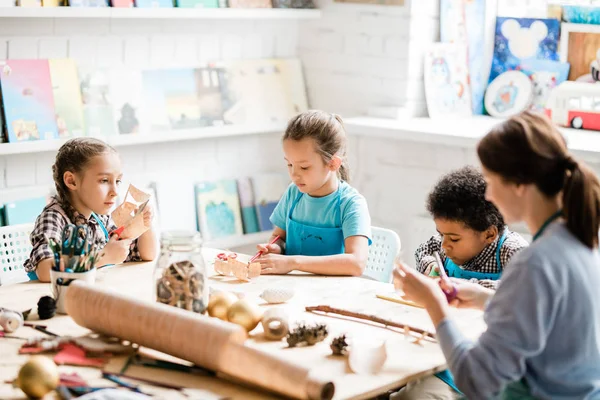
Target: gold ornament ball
245	314
38	376
219	304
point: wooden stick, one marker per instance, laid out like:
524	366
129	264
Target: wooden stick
327	309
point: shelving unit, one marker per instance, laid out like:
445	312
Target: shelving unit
158	13
41	146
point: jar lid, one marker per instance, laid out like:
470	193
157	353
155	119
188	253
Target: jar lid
181	240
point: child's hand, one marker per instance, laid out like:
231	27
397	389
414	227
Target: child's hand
115	251
275	264
269	248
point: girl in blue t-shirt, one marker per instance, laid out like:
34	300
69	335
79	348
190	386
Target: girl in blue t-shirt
322	222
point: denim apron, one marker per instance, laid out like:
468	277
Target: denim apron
308	240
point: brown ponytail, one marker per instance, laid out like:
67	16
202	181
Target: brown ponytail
529	149
328	132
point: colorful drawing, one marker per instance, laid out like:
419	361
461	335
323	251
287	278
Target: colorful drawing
248	205
126	93
446	80
154	3
197	3
523	39
88	3
97	108
508	94
581	14
218	209
67	97
28	101
259	91
545	76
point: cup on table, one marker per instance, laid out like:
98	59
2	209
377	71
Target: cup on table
60	284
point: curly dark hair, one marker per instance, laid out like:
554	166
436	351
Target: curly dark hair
460	196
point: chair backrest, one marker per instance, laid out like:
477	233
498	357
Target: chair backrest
382	253
15	248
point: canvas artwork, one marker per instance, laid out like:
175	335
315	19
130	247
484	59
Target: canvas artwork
581	14
197	3
263	91
545	76
519	39
67	97
154	3
582	50
446	80
88	3
460	22
218	209
250	3
509	94
97	107
126	97
28	101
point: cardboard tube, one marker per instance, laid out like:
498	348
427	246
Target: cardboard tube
207	342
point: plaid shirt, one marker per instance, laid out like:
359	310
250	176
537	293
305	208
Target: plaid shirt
484	262
50	224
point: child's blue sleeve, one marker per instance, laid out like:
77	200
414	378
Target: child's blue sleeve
279	215
356	220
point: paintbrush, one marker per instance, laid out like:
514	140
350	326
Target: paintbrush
260	253
450	295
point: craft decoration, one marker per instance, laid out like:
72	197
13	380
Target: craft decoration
129	216
37	377
89	344
275	324
545	76
366	357
373	318
339	346
219	304
277	295
307	334
181	285
208	342
245	314
71	354
509	94
10	320
227	264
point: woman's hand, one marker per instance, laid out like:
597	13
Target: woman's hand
468	294
417	287
275	264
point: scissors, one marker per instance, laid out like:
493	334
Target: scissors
450	295
75	240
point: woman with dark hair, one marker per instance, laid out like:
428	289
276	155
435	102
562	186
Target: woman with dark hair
543	336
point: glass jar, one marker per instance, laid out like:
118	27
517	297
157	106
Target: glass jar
180	275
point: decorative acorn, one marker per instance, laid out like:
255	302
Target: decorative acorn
245	314
219	304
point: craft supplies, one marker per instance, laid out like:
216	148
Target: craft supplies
180	274
260	253
275	324
206	342
10	320
219	304
307	335
277	295
37	377
450	294
227	264
373	318
398	300
46	307
339	346
244	313
129	215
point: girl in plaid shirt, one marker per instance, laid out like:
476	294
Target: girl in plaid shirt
87	174
473	241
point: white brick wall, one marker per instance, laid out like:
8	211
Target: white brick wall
361	56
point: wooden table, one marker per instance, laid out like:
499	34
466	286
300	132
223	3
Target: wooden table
406	360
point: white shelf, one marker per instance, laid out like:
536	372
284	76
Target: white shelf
41	146
464	132
158	13
238	241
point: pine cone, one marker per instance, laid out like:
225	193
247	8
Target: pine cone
339	345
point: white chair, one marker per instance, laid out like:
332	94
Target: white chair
382	253
15	248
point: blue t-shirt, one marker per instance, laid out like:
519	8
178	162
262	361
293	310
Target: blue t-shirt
324	212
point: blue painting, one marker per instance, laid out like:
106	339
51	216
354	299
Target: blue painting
581	14
520	39
545	76
218	209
